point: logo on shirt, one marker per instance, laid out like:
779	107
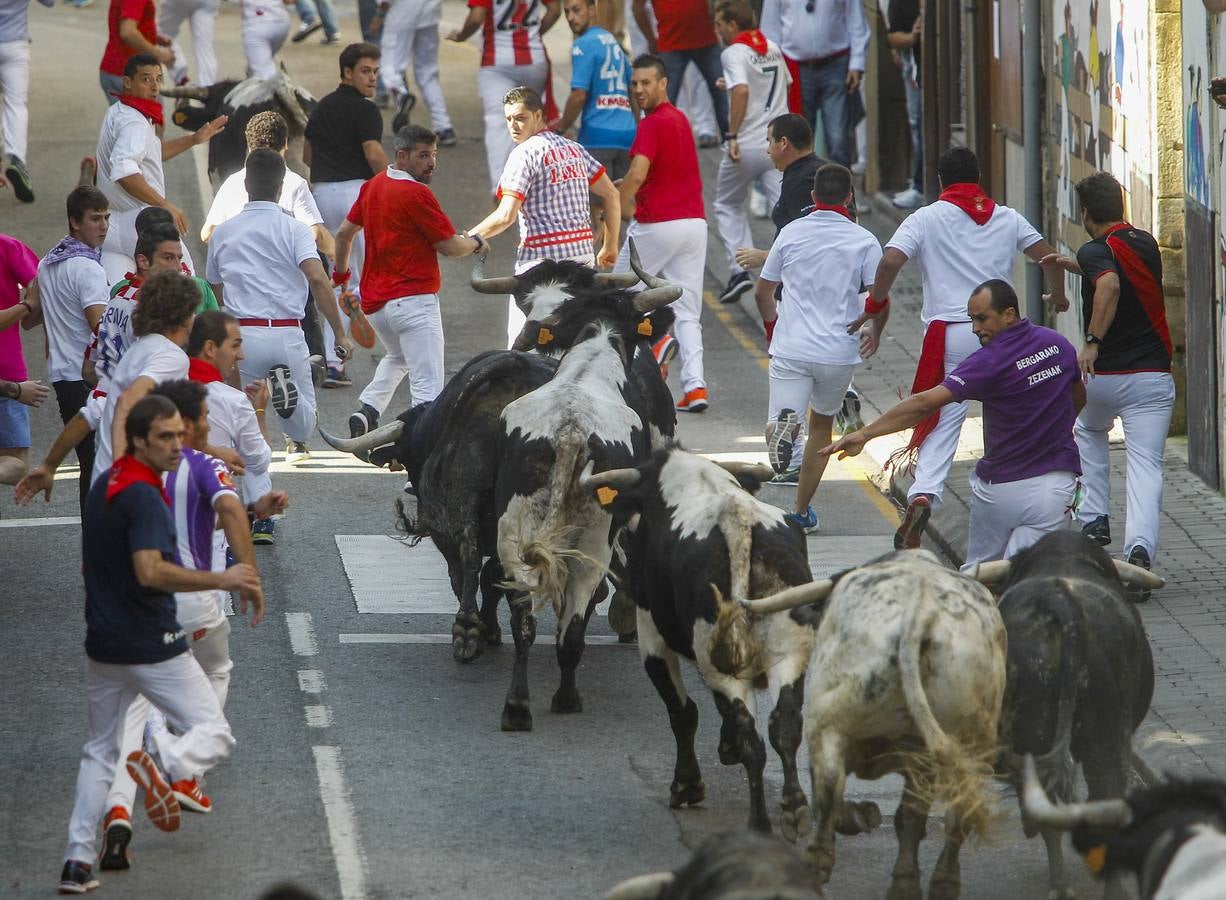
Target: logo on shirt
612	101
170	637
953	377
1043	375
1046	353
224	478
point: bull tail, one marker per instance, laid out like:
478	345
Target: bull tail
958	773
732	647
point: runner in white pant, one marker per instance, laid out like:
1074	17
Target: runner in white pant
409	37
200	16
266	25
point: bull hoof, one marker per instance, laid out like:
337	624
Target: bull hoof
823	862
566	702
491	634
516	716
904	887
623	614
630	638
728	754
466	640
858	818
944	888
686	794
796	822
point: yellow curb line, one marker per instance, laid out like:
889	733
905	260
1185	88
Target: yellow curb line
753	348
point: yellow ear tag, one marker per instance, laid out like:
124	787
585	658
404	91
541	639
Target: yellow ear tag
544	336
1096	858
645	328
605	495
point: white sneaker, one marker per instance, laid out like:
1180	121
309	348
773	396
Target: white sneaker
758	206
296	452
908	199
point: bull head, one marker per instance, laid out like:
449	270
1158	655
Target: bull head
1067	816
1134	576
362	445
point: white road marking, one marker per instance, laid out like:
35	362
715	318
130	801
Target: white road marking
342	825
318	716
301	634
310	681
40	520
596	639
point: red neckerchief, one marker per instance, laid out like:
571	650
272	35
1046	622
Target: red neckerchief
841	210
753	39
134	280
201	371
127	471
971	199
150	109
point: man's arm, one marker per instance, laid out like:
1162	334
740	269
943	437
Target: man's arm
42	478
649	33
738	102
32	297
630	184
1043	254
134	394
173	147
130	34
232	517
574	106
553	10
31	393
764	294
14	314
611	218
136	185
376	158
459	245
474	20
1106	301
323	240
500	219
152	571
344	244
892	261
325	300
93	315
909	412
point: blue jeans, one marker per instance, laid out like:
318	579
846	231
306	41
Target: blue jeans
308	10
111	85
707	61
824	87
910	80
366	12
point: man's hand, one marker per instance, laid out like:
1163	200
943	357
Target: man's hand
847	445
896	58
230	457
38	479
257	394
344	346
240	577
271	504
1086	360
750	258
376	24
1064	262
206	132
870	337
853	80
178	216
720	84
607	257
164	55
256	599
454	35
31	393
1059	304
734	150
860	320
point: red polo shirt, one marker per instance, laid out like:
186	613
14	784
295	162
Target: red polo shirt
683	25
117	52
673	189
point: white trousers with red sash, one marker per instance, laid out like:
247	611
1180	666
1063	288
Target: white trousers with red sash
936	454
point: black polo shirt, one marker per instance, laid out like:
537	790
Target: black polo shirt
796	190
1138	339
339	125
902	15
125	623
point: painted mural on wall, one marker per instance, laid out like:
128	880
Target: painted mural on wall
1200	148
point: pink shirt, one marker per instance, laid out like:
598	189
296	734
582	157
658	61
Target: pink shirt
18	266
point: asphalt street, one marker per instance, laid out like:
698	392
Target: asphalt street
369	764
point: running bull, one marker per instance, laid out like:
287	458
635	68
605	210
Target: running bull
700	543
1080	674
907	675
240	100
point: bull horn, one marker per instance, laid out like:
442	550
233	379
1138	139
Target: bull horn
654	298
186	91
384	434
755	470
289	101
642	887
801	595
1138	576
989	572
620	280
615	478
482	285
652	281
1067	816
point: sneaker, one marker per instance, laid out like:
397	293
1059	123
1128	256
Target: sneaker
791	476
305	30
116	835
1139	557
738	284
319	369
447	138
404	106
89	171
282	392
382	98
191	796
19	178
694	401
77	878
848	418
1098	529
364	420
262	531
807	523
360	329
781	438
858	167
296	452
759	207
336	378
664	350
908	199
161	804
909	533
331	40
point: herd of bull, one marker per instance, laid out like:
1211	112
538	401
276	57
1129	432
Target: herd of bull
545	472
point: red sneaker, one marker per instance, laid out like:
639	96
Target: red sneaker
694	401
911	531
160	801
190	795
116	835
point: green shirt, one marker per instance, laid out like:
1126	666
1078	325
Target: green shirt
208	302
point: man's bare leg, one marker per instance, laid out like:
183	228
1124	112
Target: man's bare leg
813	466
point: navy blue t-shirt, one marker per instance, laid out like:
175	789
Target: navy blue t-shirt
125	623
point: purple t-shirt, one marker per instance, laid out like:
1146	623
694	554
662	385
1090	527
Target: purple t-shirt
194	489
1024	378
18	266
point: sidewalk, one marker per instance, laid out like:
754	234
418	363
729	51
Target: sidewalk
1185	731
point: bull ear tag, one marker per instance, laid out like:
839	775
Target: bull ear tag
1096	858
645	328
605	495
544	336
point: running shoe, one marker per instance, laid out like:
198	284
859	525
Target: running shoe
447	138
1139	557
263	531
1098	529
336	378
738	284
665	350
808	523
305	30
364	420
848	418
296	452
116	835
331	40
791	476
19	178
282	392
161	804
694	401
77	878
191	796
404	107
781	438
911	531
359	326
908	199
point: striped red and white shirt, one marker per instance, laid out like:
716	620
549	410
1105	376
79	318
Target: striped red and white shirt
550	175
512	32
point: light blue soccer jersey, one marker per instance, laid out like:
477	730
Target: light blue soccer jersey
599	66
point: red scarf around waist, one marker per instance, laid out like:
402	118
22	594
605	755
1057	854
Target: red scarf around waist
151	109
127	471
795	102
971	199
841	210
201	371
929	372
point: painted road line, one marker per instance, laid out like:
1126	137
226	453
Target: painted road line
39	521
386	575
311	681
600	640
301	634
342	824
318	716
753	347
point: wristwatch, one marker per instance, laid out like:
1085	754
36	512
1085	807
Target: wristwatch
1093	338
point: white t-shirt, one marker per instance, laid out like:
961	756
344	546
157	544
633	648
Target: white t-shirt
67	289
233	424
255	258
295	199
128	145
822	259
767	78
956	255
153	355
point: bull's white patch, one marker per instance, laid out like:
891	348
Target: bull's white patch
1198	869
698	492
544	299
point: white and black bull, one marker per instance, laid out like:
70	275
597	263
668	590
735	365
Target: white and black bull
1170	836
1080	672
240	100
907	675
700	543
555	541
